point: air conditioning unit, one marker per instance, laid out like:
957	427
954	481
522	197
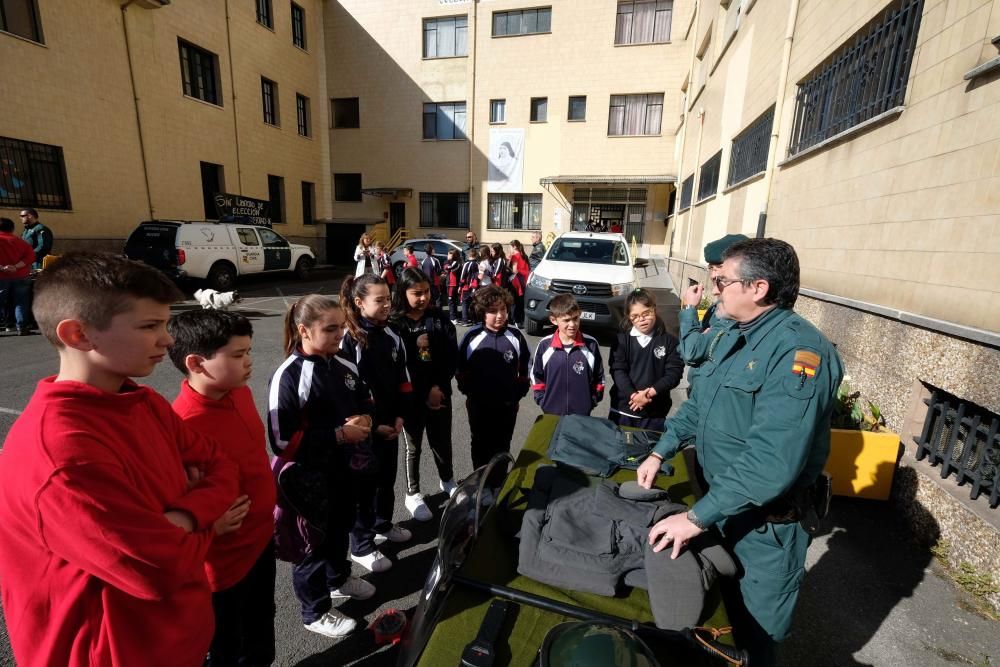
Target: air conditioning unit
151	4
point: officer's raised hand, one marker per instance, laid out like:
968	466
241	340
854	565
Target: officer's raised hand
646	473
676	529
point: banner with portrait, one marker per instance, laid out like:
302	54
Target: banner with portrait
506	160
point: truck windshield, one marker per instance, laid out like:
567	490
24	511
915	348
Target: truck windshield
589	251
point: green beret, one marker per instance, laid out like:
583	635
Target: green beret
714	250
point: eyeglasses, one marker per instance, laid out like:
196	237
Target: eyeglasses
722	283
644	315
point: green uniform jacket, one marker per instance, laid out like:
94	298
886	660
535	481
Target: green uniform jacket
760	418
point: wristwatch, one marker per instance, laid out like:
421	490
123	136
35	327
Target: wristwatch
688	306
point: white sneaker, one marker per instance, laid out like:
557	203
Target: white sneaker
332	624
449	487
373	562
355	588
396	534
418	508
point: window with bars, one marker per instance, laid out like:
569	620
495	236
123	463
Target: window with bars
643	21
539	109
749	154
302	115
864	78
522	22
346	112
308	197
444	120
514	211
498	111
32	174
269	100
276	194
265	13
20	17
444	209
446	37
199	73
708	179
635	115
298	26
347	187
577	108
686	189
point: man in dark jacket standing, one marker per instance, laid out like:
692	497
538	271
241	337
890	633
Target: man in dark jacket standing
38	236
537	250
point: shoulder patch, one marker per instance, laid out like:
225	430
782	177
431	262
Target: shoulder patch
806	363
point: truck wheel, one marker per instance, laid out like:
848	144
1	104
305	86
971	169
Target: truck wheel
398	268
303	267
532	327
222	277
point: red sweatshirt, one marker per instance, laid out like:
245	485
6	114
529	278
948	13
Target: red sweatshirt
12	251
91	573
234	423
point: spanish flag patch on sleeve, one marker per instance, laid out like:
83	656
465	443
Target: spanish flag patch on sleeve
805	363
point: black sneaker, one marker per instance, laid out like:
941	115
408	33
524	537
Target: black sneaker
23	332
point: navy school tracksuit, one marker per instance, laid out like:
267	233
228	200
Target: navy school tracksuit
382	364
468	283
638	362
309	399
493	374
429	367
567	380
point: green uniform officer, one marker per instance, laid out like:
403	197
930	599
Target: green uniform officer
760	417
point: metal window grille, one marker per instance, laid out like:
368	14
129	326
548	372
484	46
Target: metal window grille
265	16
860	81
20	17
749	155
643	21
444	209
276	194
199	73
686	187
514	211
708	180
298	26
964	439
32	175
302	114
522	22
346	112
268	94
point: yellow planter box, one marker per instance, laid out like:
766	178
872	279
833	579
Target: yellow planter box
862	463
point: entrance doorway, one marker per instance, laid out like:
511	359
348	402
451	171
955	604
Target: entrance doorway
211	184
397	216
340	243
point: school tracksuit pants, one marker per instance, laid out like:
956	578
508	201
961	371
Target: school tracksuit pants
437	423
376	498
244	618
492	426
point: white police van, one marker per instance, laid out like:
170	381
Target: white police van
216	252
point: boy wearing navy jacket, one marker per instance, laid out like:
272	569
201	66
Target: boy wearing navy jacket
493	374
567	372
468	282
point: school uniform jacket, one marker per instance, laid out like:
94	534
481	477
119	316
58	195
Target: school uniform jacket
91	572
382	364
234	423
638	362
439	368
493	365
567	380
469	279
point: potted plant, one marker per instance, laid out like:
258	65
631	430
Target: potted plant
863	451
703	306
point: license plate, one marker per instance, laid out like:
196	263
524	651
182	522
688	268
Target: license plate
585	315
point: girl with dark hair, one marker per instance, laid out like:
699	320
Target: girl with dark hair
519	270
499	270
380	357
484	266
364	254
452	269
645	364
431	353
320	417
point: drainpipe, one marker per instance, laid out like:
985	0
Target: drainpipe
680	161
138	116
695	182
470	116
232	86
779	105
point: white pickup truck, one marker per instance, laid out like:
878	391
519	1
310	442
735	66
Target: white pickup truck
216	252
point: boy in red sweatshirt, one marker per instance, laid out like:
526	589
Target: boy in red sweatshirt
108	503
212	349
